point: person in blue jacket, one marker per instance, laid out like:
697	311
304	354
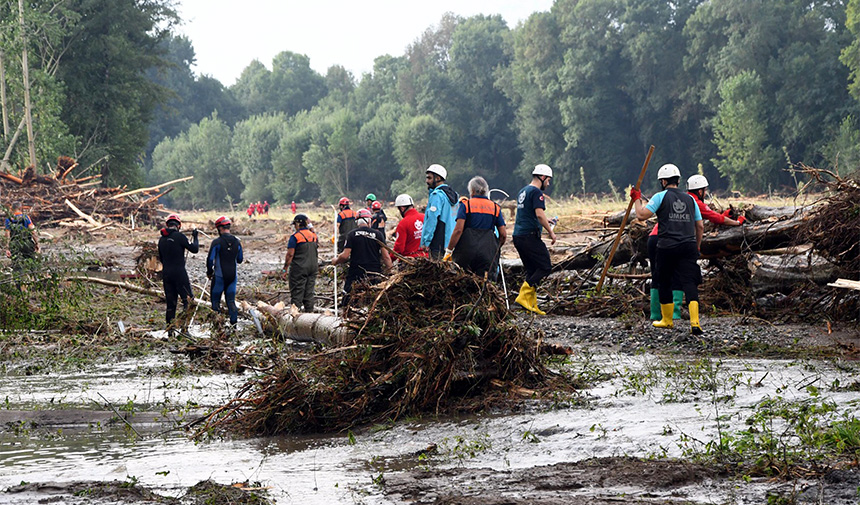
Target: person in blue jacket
439	218
224	253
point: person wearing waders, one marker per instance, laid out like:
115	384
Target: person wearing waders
697	186
474	245
407	235
345	222
679	236
224	254
378	219
439	216
302	264
171	252
364	253
530	221
22	240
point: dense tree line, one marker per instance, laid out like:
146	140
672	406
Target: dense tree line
735	89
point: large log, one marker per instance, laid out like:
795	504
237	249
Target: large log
780	273
727	241
591	255
762	213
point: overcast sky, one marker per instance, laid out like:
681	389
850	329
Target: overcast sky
228	34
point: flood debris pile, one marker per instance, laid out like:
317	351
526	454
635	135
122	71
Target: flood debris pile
64	199
430	339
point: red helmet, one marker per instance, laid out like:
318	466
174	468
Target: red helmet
343	201
377	205
223	221
364	214
174	217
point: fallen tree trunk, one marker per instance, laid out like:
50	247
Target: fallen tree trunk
591	255
756	237
762	213
306	327
784	273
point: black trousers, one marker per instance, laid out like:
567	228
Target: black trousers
535	256
176	285
677	266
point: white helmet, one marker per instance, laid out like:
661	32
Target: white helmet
542	170
668	170
438	170
697	182
403	200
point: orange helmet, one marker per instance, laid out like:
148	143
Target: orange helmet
174	217
343	201
377	205
223	221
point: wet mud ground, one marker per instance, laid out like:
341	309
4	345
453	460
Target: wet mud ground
617	442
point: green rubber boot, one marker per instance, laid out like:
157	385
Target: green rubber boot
655	306
678	300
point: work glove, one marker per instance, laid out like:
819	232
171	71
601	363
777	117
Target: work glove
194	233
727	213
741	219
448	254
635	194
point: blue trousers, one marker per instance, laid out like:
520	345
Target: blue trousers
229	291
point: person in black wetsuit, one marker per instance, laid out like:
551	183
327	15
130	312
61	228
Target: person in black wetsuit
224	253
171	252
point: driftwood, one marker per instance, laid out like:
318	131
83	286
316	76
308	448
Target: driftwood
761	213
304	327
591	255
780	273
727	241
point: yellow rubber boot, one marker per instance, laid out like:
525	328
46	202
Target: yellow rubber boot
533	300
666	310
524	296
695	327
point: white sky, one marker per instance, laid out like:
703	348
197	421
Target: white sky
228	34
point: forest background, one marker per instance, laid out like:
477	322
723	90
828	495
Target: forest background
737	90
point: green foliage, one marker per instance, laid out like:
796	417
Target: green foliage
254	141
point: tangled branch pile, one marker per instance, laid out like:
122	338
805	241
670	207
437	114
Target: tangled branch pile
431	339
55	199
834	228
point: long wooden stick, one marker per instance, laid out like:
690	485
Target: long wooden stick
78	211
141	190
623	222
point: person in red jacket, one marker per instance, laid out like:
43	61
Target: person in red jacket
251	208
697	187
408	231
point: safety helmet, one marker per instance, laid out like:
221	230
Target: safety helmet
364	214
376	205
174	217
371	197
222	221
403	200
300	218
343	201
697	182
542	170
668	171
438	170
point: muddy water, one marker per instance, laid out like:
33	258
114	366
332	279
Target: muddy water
645	410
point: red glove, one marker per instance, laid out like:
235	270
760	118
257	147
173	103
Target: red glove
635	194
741	219
726	213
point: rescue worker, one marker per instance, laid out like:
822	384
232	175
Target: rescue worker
365	254
302	263
345	222
250	211
407	235
439	216
171	252
293	206
697	186
224	253
266	208
679	236
369	199
378	219
259	208
530	221
22	239
474	244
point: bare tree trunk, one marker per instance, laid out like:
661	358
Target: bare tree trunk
25	67
3	96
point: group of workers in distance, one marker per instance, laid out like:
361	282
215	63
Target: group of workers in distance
259	209
470	231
